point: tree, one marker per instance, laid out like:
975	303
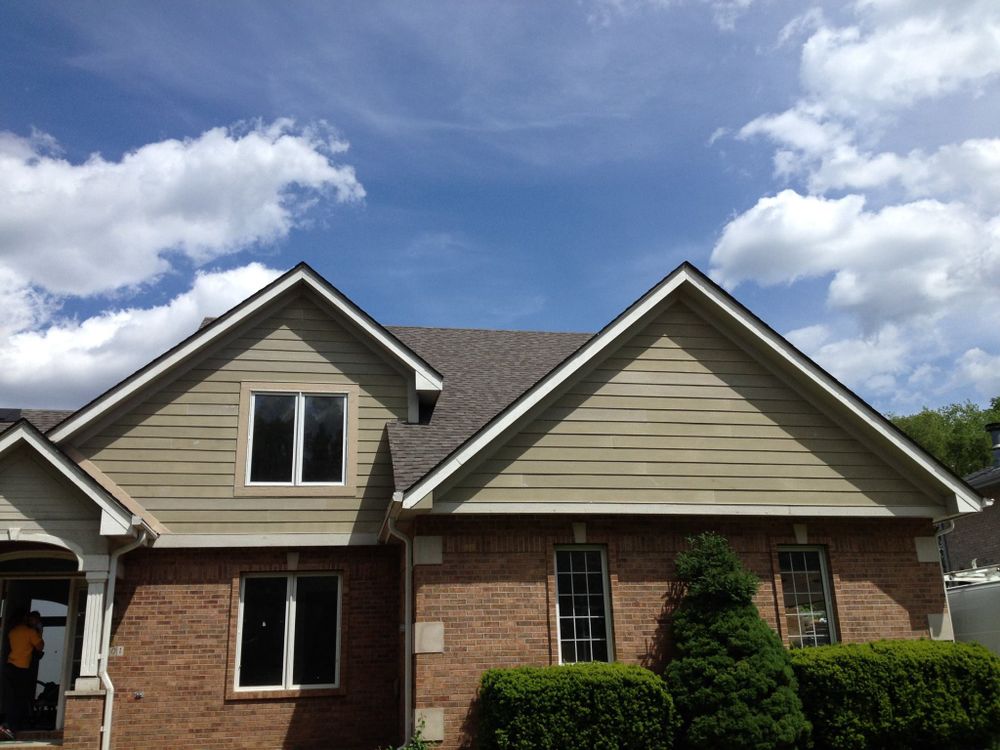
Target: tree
953	434
732	681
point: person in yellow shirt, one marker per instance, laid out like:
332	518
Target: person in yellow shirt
25	641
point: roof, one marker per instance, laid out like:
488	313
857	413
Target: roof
42	419
484	371
691	281
984	477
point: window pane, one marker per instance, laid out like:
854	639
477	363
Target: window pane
262	650
315	661
805	592
323	439
273	438
583	626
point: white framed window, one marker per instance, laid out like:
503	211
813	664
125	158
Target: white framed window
297	438
289	631
805	586
583	605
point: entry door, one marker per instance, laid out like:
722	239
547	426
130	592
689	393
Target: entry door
57	601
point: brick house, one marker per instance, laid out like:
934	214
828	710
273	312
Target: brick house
299	528
975	540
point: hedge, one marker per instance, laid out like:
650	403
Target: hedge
903	695
599	706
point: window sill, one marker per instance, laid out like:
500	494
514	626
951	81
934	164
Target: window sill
257	695
283	490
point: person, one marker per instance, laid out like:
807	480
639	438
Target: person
25	643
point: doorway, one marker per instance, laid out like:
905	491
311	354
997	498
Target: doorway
60	602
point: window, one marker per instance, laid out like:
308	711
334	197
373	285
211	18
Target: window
297	439
582	604
289	632
806	590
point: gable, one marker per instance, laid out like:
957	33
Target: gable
32	496
680	418
175	450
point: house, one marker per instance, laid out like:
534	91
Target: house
299	528
975	540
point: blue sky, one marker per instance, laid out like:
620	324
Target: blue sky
514	165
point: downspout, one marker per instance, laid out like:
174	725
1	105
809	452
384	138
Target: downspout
407	628
946	528
109	608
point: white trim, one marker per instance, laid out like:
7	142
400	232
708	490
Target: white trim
609	626
115	520
288	657
298	438
198	541
694	509
965	500
425	378
824	571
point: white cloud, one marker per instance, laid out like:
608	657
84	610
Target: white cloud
70	361
900	53
725	13
980	369
910	256
101	225
917	260
109	227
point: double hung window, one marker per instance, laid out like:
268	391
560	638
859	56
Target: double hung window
297	438
582	602
805	588
289	632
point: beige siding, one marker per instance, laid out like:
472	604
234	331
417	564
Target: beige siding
35	498
175	451
680	414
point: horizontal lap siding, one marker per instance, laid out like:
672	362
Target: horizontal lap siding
176	451
680	414
35	499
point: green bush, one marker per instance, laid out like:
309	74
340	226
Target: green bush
576	706
732	680
901	694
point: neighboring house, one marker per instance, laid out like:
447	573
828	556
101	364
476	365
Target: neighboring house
299	528
975	541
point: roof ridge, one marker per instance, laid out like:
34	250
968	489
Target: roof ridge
489	330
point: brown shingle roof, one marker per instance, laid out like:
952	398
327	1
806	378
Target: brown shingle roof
484	371
43	419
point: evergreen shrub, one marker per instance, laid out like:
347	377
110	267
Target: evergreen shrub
901	695
575	706
732	680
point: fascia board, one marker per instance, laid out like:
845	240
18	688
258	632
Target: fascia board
427	377
112	515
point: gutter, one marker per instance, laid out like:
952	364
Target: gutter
109	608
390	525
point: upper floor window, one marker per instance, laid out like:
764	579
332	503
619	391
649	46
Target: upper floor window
805	588
297	438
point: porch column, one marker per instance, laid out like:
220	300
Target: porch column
91	651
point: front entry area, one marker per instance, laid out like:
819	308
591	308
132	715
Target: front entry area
44	583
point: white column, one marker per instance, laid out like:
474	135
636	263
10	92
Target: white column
90	655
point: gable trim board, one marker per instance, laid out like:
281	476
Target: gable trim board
115	520
960	497
425	380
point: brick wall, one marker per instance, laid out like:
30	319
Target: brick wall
977	536
175	615
82	723
494	590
